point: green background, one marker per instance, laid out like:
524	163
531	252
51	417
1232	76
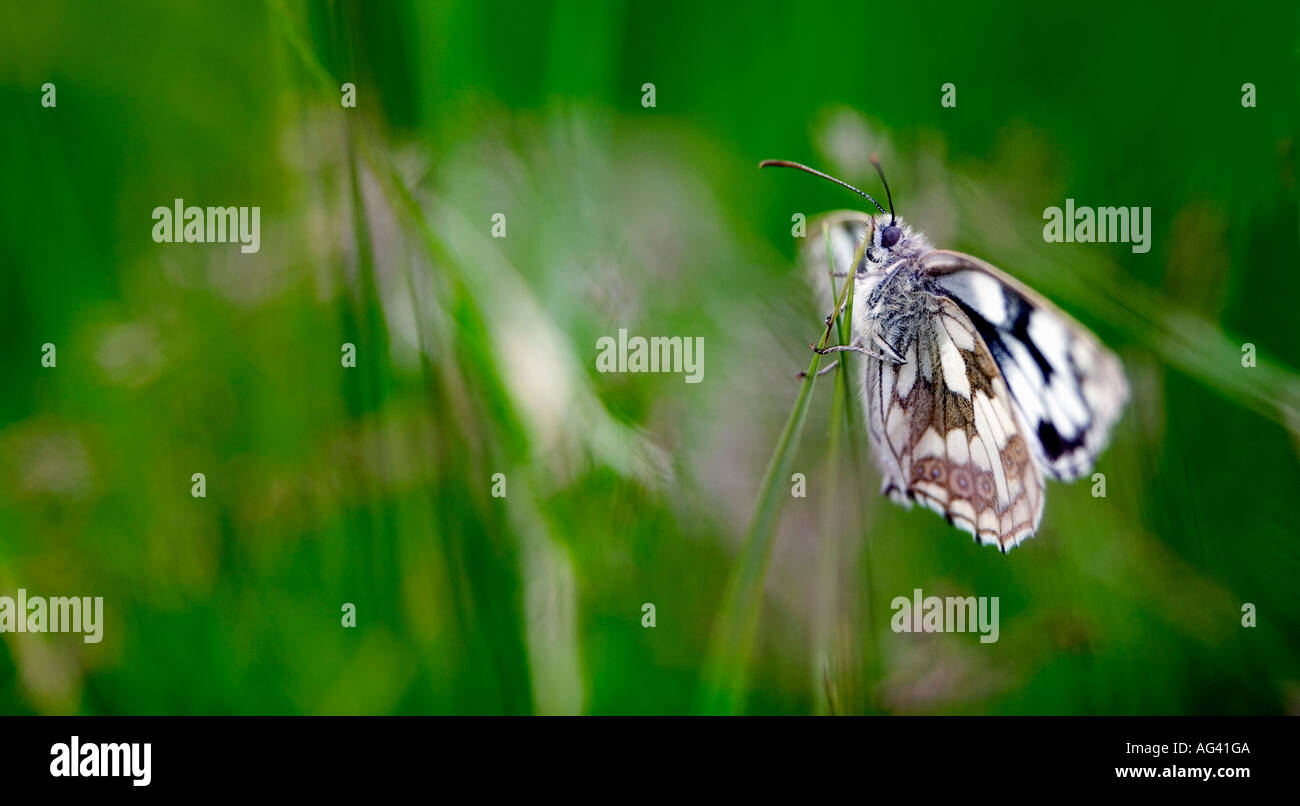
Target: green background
476	354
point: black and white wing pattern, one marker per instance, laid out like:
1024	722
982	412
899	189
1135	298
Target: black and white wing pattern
1068	389
945	432
997	388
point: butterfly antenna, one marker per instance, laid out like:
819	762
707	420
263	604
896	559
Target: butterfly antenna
876	162
815	172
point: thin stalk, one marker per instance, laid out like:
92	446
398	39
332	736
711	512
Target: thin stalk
727	665
829	560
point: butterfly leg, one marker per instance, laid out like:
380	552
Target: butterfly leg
840	348
829	368
830	318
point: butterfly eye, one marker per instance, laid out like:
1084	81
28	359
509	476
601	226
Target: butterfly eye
889	236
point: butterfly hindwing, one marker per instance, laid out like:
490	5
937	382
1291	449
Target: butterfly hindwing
945	432
1067	388
846	229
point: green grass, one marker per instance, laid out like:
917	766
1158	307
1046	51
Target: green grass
373	485
726	669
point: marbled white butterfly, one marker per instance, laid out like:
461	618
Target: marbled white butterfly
975	386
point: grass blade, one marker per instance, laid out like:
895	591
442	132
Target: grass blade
727	665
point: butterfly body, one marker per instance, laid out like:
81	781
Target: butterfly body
976	388
897	296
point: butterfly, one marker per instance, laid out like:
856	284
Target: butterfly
976	387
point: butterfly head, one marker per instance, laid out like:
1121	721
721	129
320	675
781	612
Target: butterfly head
890	237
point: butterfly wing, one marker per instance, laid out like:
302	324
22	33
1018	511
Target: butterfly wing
846	229
1067	388
945	432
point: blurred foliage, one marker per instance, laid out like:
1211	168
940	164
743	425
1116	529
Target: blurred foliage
476	355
